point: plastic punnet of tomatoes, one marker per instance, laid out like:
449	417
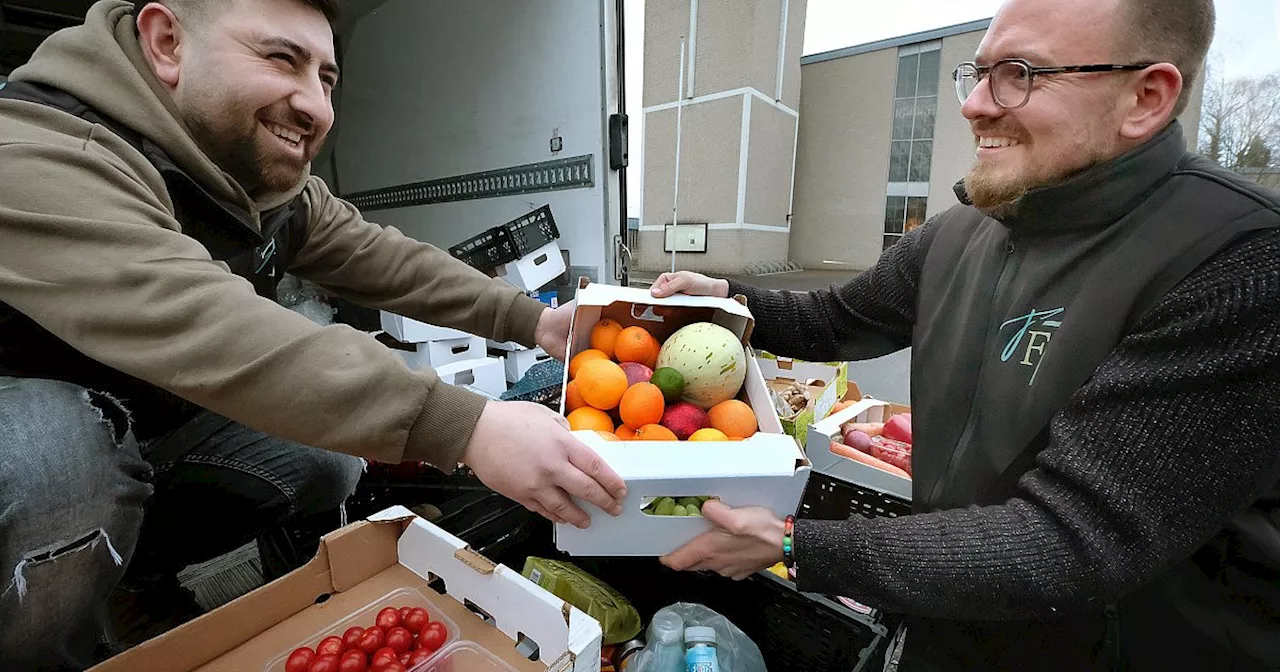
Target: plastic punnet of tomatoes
399	632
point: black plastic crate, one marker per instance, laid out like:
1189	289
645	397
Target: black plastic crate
829	498
487	250
510	241
533	230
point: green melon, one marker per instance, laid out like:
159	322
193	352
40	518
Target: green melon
711	360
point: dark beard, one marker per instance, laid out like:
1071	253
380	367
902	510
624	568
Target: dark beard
238	153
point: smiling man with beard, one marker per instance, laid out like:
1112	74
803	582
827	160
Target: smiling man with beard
1095	383
154	187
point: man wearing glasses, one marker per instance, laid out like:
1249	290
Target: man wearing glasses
1095	374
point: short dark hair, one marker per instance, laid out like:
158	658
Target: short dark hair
1169	31
197	10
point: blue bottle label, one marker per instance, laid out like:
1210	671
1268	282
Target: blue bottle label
701	659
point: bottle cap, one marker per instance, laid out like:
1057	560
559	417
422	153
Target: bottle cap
699	633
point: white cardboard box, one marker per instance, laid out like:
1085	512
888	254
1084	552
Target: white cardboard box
439	353
535	269
407	330
518	362
818	449
766	470
485	374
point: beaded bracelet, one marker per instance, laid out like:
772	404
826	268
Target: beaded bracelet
788	534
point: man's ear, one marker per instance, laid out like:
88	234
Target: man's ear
1155	95
161	37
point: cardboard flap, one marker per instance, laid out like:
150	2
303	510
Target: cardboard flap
831	425
359	551
517	606
595	294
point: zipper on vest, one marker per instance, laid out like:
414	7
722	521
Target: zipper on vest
962	443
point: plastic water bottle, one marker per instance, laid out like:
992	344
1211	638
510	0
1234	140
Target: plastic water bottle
667	630
700	651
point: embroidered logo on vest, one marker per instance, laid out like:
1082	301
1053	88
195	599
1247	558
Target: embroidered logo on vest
1031	340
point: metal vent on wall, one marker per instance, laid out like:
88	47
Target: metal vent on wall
572	173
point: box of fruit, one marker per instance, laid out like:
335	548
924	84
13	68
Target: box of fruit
804	392
669	393
867	443
393	593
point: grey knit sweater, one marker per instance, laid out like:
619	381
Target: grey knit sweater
1178	431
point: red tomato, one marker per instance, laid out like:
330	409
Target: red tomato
433	636
300	660
404	658
372	640
351	638
404	611
399	639
330	646
394	667
325	663
382	657
419	656
416	619
388	618
353	661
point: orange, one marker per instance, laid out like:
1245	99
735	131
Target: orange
708	434
603	336
575	364
634	344
602	384
625	433
572	397
608	436
655	433
590	418
642	404
734	418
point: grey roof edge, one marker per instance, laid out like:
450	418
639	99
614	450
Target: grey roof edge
924	36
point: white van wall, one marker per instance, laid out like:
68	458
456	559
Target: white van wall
435	89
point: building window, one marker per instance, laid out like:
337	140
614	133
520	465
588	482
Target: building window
915	109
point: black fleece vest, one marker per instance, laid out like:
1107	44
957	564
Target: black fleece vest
225	229
1015	316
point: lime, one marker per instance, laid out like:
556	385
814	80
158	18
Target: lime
670	382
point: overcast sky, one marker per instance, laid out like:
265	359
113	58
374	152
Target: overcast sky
1247	41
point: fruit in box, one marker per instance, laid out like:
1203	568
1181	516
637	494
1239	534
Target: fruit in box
711	360
683	419
734	418
670	382
642	404
636	372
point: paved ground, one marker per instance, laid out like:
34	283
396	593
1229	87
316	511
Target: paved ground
887	378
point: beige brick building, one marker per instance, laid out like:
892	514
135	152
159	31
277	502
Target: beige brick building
880	142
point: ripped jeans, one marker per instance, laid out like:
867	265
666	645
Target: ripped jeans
74	486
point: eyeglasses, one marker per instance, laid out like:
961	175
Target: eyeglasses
1012	79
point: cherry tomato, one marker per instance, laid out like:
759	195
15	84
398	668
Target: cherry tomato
330	646
416	619
399	639
432	636
404	611
404	658
394	666
325	663
351	638
381	657
372	640
353	661
418	657
300	660
388	618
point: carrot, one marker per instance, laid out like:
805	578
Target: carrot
857	456
868	428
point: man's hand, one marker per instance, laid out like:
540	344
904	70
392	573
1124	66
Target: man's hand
525	451
688	282
552	332
747	540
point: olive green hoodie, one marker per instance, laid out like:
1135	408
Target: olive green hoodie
90	250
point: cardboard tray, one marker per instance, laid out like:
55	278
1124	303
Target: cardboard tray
823	432
392	553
